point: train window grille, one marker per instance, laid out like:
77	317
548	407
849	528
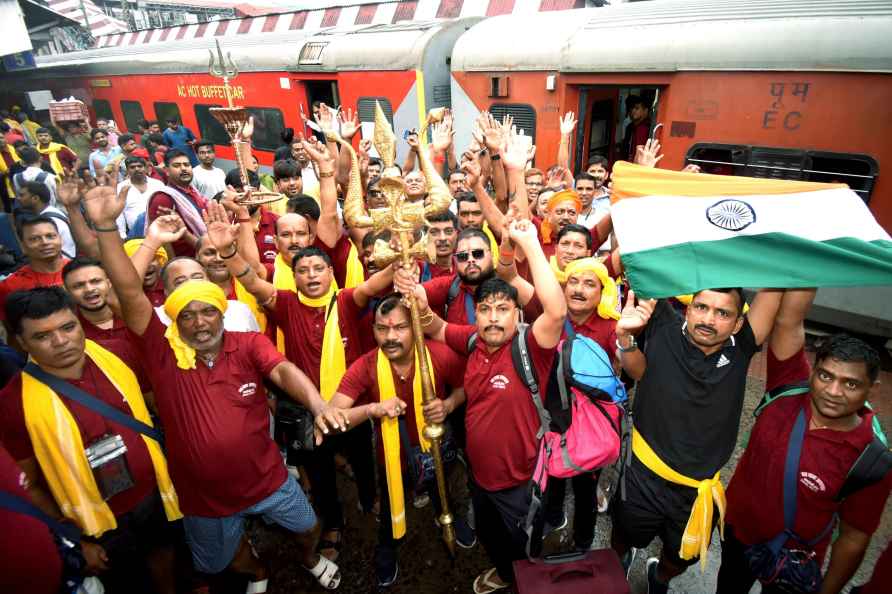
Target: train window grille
268	125
133	114
524	116
311	53
165	110
366	108
208	127
442	96
858	171
102	108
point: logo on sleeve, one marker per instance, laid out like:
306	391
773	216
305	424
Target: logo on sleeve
499	382
247	390
812	481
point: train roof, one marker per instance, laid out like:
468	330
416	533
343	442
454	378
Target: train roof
675	35
400	46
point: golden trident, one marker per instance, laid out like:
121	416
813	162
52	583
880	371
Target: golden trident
233	120
403	219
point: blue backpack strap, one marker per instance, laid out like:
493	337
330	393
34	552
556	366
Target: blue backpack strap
523	365
568	328
454	289
425	273
470	309
791	482
22	506
99	407
472	342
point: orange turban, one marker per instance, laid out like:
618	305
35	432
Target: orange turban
562	196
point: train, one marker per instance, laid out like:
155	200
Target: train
787	89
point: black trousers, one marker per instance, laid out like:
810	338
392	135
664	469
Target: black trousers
320	467
499	516
585	509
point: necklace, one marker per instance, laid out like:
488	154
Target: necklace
209	360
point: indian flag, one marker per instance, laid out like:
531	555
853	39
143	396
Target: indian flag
682	232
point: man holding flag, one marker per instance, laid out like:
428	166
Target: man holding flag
684	233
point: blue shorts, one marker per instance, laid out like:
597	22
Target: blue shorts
215	541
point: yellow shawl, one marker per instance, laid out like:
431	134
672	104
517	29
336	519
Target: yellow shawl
52	150
390	435
60	451
333	363
4	170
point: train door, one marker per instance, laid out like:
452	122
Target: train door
605	118
314	91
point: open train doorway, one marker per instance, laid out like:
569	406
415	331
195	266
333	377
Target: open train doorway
317	92
613	120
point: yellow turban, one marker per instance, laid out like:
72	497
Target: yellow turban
609	294
556	199
131	246
189	291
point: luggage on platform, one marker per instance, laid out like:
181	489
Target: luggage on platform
590	572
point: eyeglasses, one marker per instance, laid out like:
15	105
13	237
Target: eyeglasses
464	256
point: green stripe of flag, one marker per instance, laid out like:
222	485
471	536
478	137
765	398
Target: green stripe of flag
768	260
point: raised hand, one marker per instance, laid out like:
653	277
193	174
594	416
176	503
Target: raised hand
522	232
247	131
648	154
318	152
691	168
69	192
441	136
349	123
515	153
221	232
412	140
325	119
165	229
493	134
103	206
365	147
472	170
635	317
568	123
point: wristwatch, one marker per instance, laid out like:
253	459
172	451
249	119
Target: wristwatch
633	346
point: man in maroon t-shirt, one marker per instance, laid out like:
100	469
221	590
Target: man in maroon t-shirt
442	234
501	420
208	386
473	265
179	178
360	392
140	548
839	428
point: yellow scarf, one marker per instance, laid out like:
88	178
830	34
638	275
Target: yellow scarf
52	151
243	295
283	280
333	363
695	540
4	170
493	244
390	435
688	298
607	307
189	291
60	451
355	271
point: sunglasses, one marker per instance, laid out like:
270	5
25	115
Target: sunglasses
465	256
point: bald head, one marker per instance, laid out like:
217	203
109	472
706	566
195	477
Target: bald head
180	270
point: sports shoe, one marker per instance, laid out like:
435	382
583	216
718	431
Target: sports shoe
559	524
465	537
655	586
387	568
628	559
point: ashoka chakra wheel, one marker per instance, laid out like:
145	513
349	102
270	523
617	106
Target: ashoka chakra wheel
731	215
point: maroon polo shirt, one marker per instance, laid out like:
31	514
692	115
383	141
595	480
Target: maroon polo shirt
338	254
180	247
437	271
361	384
755	493
92	427
216	422
598	329
31	560
265	236
119	341
501	420
304	329
156	294
437	290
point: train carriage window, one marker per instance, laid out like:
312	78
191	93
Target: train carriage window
208	127
102	109
132	115
524	116
856	170
164	110
366	108
268	125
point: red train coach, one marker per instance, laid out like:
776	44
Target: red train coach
404	66
792	89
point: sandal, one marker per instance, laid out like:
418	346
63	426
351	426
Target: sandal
257	587
484	583
331	549
326	573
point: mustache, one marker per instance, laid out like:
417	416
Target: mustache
577	296
704	327
391	344
493	327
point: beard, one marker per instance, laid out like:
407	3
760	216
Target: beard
484	275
